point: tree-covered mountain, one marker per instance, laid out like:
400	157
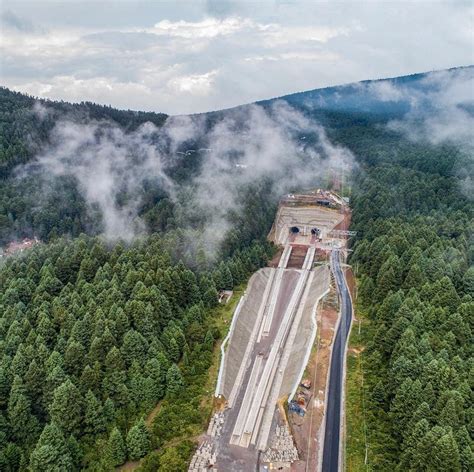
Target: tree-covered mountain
36	202
390	98
94	331
25	123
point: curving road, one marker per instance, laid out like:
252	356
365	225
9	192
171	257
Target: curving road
331	447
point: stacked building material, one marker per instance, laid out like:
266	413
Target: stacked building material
215	425
282	449
204	459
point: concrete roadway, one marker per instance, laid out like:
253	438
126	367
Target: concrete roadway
331	455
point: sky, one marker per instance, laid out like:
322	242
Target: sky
189	57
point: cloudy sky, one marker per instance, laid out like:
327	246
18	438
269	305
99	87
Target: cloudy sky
185	57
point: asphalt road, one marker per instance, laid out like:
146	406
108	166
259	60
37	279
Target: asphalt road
334	397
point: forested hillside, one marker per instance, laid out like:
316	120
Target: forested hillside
45	202
25	123
33	205
93	338
95	331
94	334
414	255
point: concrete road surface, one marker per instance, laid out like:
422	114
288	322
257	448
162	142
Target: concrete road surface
331	456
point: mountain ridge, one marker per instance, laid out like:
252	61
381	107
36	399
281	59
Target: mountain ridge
286	97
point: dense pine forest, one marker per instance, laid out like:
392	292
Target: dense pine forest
414	256
94	333
93	338
33	205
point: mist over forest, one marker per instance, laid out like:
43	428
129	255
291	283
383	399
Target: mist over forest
124	173
144	218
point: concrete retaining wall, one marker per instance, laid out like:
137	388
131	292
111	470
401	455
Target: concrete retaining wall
243	328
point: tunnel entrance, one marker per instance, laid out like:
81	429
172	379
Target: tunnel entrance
315	231
294	229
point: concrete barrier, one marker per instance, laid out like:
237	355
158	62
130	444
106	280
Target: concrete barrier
218	390
246	330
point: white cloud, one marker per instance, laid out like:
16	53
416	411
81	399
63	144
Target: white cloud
276	34
99	89
198	84
386	91
105	162
296	56
207	28
272	34
440	114
148	58
108	163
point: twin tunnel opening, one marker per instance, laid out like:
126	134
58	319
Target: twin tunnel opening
296	230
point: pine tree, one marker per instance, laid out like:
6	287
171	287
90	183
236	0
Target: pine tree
468	281
449	415
109	411
445	456
174	381
447	297
173	349
45	328
94	422
414	278
390	306
20	363
114	361
410	459
466	454
209	340
23	424
116	452
366	290
190	288
54	378
66	408
138	441
386	281
10	457
210	297
195	314
227	280
153	367
4	387
134	347
34	380
136	385
51	452
428	394
74	358
75	452
404	404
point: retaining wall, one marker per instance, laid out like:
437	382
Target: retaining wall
243	328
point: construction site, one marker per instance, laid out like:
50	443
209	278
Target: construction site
263	393
15	247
